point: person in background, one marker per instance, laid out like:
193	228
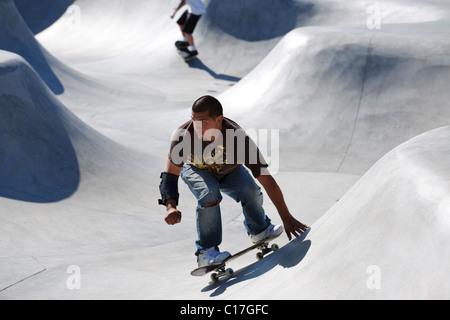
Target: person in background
187	23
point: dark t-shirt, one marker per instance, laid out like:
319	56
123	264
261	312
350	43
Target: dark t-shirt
231	148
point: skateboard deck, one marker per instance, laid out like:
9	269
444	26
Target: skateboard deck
183	52
220	268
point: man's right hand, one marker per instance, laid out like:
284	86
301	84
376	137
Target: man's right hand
173	216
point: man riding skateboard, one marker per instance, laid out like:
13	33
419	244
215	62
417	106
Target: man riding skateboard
187	23
205	154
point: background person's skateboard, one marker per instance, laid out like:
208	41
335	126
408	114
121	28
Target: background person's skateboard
184	53
220	268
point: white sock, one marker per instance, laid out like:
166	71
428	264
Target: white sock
185	38
192	48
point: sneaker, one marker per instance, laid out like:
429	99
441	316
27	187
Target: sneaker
271	232
181	44
211	256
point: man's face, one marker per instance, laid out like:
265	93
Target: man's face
203	122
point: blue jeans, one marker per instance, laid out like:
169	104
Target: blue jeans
207	188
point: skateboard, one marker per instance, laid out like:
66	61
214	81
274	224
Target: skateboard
183	52
221	270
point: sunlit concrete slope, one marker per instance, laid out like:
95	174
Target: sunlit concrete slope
126	64
386	239
143	30
133	56
354	94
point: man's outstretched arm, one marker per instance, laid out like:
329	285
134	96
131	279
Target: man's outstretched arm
291	225
182	3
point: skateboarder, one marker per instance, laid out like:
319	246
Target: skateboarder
188	22
209	152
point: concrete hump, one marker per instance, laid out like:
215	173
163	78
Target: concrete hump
16	37
38	161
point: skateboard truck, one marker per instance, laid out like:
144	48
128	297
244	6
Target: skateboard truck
263	248
219	270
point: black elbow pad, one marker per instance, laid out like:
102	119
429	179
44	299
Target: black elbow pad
168	188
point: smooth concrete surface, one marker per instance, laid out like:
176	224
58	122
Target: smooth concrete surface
88	105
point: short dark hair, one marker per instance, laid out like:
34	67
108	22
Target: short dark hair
208	104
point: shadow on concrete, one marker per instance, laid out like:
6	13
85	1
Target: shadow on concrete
37	160
198	64
39	15
16	37
258	20
297	249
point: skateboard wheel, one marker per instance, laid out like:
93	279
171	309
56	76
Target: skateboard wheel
275	247
259	256
214	277
229	273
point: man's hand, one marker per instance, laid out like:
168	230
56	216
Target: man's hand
173	216
293	227
182	3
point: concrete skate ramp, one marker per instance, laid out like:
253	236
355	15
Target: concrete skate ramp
16	37
57	150
389	234
39	15
343	97
354	94
256	20
38	161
